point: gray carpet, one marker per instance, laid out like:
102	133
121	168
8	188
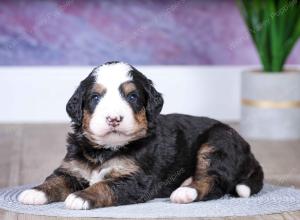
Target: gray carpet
272	199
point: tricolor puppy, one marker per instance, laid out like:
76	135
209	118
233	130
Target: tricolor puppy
123	151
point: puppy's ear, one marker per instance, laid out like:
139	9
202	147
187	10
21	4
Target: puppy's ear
154	101
75	105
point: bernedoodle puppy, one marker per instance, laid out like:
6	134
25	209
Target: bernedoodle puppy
123	151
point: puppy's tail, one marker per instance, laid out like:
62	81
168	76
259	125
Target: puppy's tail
252	185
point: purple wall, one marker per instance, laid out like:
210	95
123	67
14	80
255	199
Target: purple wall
78	32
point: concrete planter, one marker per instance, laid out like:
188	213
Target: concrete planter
271	105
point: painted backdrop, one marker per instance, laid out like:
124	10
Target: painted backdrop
78	32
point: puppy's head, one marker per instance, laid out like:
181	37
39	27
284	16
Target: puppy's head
114	105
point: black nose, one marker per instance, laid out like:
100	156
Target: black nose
114	121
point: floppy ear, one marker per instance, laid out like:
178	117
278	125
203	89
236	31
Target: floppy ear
154	99
74	106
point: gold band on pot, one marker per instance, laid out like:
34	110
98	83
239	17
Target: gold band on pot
271	104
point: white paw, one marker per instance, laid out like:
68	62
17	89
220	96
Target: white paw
75	202
243	190
184	195
32	197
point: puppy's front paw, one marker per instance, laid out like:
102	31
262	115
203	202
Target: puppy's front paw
184	195
74	201
33	197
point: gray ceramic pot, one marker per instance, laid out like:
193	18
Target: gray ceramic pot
271	105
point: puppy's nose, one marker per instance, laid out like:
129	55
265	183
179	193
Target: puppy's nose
114	121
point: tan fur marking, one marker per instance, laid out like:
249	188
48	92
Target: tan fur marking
202	182
120	167
203	186
99	88
203	161
128	87
78	169
100	193
86	121
111	169
141	119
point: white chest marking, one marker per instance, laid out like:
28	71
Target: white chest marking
97	176
119	166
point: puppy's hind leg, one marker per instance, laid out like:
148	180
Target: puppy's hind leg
202	186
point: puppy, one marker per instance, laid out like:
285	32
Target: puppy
123	151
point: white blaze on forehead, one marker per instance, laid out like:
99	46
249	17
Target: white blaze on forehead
113	75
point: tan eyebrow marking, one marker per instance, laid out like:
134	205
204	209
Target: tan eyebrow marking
128	87
99	88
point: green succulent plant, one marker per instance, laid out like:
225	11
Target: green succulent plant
274	26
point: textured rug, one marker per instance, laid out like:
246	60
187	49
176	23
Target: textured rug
272	199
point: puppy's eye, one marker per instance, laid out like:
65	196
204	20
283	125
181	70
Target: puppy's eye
132	97
95	98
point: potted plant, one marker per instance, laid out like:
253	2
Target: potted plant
271	96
